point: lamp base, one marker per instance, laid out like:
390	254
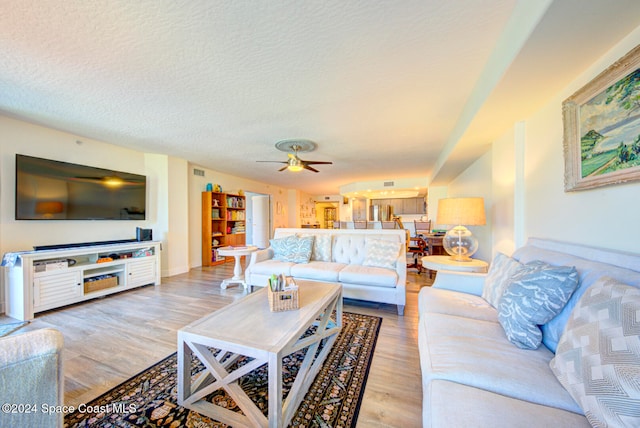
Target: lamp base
460	244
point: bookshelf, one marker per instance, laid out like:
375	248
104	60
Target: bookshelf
223	224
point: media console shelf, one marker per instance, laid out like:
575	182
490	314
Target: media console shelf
48	279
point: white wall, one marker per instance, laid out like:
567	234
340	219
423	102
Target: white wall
501	208
527	182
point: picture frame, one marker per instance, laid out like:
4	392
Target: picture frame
602	128
278	208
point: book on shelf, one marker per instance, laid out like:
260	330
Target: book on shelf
235	215
216	257
235	202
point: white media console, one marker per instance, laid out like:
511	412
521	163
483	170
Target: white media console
48	279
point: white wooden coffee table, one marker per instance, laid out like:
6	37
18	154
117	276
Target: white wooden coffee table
248	328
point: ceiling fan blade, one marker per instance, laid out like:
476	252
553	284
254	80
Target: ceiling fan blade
274	161
317	163
306	166
283	168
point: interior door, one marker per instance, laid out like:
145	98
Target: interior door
260	220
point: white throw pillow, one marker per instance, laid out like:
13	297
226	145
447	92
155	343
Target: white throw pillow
598	356
321	247
381	253
499	277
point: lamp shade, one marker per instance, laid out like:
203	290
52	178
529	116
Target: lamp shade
461	211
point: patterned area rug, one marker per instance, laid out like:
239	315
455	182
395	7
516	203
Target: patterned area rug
333	400
7	329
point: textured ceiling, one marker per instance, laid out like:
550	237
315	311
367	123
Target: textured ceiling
379	86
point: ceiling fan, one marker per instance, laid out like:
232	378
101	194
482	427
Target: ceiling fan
294	163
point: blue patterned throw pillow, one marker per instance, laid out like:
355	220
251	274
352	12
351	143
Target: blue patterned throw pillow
536	294
292	249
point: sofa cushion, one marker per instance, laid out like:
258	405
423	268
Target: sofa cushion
537	293
292	248
589	271
598	356
476	353
348	249
455	303
374	276
271	266
321	251
499	276
317	271
453	405
381	253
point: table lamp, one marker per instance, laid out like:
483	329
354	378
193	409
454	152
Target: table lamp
459	242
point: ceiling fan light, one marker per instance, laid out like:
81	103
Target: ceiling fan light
295	168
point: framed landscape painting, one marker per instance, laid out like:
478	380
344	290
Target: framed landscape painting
602	128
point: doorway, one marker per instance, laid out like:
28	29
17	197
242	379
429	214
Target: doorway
326	214
258	218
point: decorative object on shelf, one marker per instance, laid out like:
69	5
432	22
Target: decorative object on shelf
459	242
209	187
601	145
241	192
144	234
217	188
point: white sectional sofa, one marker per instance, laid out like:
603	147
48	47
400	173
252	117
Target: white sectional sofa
370	264
588	364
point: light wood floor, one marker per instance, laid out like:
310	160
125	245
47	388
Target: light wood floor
108	340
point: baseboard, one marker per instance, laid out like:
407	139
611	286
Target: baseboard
175	271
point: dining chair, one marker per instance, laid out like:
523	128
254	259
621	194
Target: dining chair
422	227
417	250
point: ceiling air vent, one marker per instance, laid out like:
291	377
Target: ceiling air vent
388	184
198	172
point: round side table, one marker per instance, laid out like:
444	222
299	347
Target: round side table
446	263
236	252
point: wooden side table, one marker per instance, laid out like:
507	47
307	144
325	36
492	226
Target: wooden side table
236	252
446	263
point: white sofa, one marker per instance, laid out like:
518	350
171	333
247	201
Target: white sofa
473	376
343	260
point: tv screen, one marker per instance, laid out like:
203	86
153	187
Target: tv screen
53	190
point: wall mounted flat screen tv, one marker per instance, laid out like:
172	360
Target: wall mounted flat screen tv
54	190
